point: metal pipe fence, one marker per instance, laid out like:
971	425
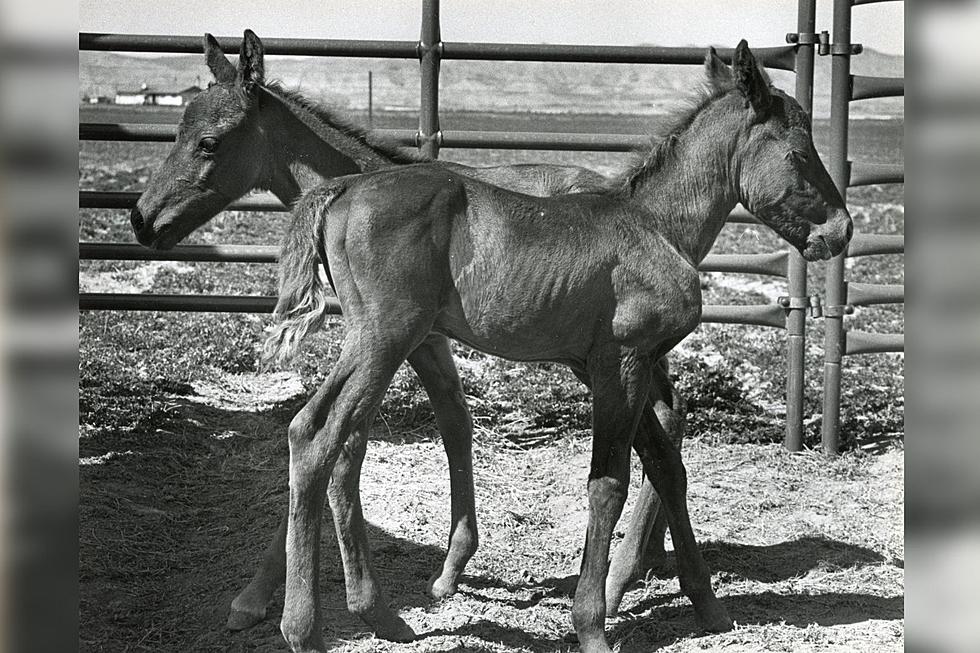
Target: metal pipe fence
789	313
841	297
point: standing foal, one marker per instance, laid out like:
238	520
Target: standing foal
605	283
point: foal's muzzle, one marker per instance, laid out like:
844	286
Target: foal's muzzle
830	238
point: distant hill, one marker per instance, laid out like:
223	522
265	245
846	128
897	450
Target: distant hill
474	85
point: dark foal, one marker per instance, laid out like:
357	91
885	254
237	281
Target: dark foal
243	133
605	283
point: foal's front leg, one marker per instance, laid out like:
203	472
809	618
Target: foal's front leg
620	385
643	546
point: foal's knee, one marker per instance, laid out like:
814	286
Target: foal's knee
607	494
302	429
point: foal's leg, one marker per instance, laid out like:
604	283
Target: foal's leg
620	384
249	607
662	463
364	595
643	546
350	395
433	362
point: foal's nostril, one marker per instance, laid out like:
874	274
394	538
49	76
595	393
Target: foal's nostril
850	230
136	219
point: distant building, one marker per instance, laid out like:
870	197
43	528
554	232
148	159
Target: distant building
148	96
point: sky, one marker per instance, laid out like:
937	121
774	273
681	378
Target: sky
593	22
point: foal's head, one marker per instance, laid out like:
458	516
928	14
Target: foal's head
779	175
219	154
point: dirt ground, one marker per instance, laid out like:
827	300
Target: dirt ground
807	553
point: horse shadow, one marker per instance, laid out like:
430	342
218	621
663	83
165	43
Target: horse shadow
654	621
176	516
202	541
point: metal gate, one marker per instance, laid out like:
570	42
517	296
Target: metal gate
788	313
842	296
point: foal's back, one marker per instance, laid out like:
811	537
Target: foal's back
522	277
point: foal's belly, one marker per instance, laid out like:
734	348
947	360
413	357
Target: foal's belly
560	331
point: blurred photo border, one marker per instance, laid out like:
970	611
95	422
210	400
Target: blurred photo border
39	325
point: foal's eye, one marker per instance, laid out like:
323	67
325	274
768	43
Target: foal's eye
208	144
797	157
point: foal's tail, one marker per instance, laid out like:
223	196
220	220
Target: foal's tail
303	297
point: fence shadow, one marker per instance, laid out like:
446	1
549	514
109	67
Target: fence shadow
175	516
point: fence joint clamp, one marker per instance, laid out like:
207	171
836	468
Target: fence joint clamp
841	49
838	311
421	138
821	40
811	302
421	49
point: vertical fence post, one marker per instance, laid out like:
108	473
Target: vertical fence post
796	271
836	293
430	50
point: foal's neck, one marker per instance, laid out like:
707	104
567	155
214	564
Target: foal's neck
691	187
304	149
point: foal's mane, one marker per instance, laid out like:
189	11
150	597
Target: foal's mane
323	114
644	163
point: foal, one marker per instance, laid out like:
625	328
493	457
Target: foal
605	283
242	133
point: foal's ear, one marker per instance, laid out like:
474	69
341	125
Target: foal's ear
221	68
717	71
251	62
750	79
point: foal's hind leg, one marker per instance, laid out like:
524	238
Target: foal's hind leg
343	403
643	546
662	463
364	595
433	362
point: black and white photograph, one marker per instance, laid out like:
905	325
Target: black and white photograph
425	326
417	326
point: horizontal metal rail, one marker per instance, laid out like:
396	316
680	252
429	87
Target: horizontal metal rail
126	199
543	141
771	264
872	244
855	3
865	174
128	131
862	342
93	131
782	57
97	199
231	44
760	315
775	263
200	253
868	294
183	303
864	87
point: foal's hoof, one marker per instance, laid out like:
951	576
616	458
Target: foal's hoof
715	620
440	588
241	619
395	630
